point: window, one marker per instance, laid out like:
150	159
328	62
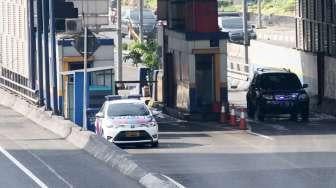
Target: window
279	81
127	109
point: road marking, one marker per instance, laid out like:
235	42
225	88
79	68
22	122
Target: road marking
175	182
23	168
260	135
51	169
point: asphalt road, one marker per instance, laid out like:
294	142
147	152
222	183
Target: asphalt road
31	156
276	153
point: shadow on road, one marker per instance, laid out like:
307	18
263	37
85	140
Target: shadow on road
284	126
193	127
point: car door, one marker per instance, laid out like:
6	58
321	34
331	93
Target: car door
99	120
251	94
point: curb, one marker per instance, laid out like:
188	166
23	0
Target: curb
88	141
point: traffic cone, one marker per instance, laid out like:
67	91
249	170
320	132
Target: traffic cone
223	115
242	121
233	117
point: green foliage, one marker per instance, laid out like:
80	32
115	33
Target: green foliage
144	53
276	7
125	46
151	4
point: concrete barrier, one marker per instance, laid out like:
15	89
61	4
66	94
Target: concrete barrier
88	141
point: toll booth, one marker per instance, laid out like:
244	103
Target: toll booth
193	55
100	84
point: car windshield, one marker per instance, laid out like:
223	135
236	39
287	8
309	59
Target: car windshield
147	15
233	23
127	109
280	81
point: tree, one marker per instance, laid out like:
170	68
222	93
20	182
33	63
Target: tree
144	53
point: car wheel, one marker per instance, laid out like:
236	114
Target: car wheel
155	144
259	114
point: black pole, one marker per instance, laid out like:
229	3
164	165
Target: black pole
32	50
39	50
52	57
45	14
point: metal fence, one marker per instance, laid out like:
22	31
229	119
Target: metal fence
316	26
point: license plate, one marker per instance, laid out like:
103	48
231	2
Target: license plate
132	134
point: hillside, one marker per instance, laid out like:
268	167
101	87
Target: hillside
276	7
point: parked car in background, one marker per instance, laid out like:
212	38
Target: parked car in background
131	20
234	27
277	92
127	121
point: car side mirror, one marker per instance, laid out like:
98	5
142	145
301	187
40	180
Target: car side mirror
305	86
99	115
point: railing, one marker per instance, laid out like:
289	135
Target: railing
19	89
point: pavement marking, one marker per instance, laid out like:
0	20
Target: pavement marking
260	135
175	182
23	168
51	169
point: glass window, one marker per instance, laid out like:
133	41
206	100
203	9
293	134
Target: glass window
127	109
280	81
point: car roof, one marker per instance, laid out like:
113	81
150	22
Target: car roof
272	70
125	101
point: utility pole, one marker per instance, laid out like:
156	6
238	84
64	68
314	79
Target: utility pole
85	78
39	51
45	14
246	36
119	41
52	57
141	20
259	15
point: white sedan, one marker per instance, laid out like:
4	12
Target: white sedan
127	121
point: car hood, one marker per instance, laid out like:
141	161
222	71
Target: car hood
283	92
125	120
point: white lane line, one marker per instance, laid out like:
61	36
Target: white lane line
175	182
260	135
23	168
51	169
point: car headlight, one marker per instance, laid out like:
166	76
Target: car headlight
303	97
268	97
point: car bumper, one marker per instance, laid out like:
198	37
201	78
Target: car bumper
285	107
132	135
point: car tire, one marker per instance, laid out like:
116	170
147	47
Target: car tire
155	144
260	116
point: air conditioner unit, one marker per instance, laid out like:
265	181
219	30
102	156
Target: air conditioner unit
73	25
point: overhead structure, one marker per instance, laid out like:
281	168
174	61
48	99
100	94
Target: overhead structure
315	26
95	11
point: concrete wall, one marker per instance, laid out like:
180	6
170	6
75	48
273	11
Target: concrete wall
184	64
268	55
330	77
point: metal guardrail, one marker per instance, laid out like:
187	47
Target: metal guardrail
19	89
